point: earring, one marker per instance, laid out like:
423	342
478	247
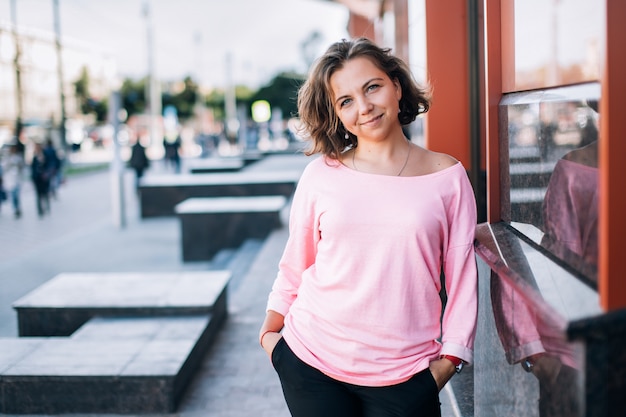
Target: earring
347	136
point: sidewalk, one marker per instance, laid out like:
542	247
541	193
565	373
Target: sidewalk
236	378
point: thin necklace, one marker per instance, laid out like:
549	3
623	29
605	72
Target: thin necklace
406	161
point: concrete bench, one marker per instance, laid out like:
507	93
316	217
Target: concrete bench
159	194
213	165
67	301
211	224
110	365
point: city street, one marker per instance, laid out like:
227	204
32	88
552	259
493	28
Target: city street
236	378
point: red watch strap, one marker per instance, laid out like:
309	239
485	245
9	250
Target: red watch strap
456	361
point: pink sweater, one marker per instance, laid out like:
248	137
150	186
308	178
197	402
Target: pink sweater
570	208
359	279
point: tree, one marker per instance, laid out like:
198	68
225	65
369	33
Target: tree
81	89
185	100
86	102
215	100
133	94
282	93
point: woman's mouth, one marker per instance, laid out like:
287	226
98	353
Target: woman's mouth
372	120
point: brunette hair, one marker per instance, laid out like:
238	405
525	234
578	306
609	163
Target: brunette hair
315	98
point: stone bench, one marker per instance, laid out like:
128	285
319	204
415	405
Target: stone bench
213	165
211	224
159	194
110	365
67	301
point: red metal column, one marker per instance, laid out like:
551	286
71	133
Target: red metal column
499	75
612	268
447	122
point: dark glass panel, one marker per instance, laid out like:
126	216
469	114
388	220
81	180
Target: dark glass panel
551	183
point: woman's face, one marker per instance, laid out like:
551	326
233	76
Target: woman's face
366	99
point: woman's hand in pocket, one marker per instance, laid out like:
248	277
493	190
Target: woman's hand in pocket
442	370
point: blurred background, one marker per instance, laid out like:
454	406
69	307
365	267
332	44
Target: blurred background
222	77
84	74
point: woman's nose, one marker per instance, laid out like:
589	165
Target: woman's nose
364	105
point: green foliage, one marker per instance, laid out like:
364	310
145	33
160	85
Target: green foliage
133	94
81	86
87	103
215	101
243	93
184	101
282	92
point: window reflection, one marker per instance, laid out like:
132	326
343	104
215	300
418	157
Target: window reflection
533	300
553	171
570	207
537	343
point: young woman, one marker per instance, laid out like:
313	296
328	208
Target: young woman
354	323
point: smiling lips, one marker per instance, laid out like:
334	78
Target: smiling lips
372	121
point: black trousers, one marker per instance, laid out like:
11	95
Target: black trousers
310	393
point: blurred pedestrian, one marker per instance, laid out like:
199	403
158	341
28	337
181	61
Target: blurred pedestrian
12	172
3	193
40	176
172	151
355	324
52	168
138	161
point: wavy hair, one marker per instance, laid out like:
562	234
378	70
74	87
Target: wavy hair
321	123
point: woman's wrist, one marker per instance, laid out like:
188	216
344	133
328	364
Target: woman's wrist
263	335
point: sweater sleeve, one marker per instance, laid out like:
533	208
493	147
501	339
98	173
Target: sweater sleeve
461	280
300	249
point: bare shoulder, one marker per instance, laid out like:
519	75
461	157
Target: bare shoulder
442	161
431	162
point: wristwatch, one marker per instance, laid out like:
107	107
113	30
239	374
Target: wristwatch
528	365
458	363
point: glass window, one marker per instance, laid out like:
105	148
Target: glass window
552	178
557	42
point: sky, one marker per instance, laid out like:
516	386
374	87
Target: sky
192	37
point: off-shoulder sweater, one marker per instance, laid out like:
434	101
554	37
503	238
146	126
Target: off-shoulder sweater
359	279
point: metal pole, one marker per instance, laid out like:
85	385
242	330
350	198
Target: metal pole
18	73
117	165
199	68
59	50
153	93
232	126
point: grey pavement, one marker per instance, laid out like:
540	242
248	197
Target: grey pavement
235	378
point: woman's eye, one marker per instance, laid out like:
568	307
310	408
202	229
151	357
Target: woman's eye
372	87
345	102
